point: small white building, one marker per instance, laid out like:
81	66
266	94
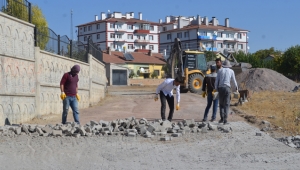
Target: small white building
197	33
121	32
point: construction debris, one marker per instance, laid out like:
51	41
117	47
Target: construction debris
130	127
291	141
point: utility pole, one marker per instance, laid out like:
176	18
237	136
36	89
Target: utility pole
71	36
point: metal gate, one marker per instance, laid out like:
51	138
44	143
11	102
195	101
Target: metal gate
119	77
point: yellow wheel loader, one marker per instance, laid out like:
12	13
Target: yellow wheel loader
189	66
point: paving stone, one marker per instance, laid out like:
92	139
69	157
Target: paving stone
181	131
45	134
25	129
170	130
131	134
176	127
159	133
88	134
82	131
297	137
204	130
176	135
292	145
167	124
152	127
47	130
93	123
76	135
18	130
166	138
57	132
211	127
258	134
39	131
88	130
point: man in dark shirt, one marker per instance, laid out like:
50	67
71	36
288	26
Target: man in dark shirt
69	90
208	88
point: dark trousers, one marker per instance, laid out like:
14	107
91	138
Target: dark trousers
224	102
170	101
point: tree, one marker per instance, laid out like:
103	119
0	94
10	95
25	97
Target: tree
16	8
41	24
266	52
290	62
210	56
154	75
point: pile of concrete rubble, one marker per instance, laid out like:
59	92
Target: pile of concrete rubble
291	141
130	127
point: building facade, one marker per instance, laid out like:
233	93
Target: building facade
197	33
121	32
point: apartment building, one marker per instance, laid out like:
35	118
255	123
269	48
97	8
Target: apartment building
121	32
198	33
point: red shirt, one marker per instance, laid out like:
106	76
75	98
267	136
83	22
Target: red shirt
70	84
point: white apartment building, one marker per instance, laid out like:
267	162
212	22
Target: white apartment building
121	32
198	33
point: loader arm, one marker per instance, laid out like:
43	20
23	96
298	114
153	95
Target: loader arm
174	62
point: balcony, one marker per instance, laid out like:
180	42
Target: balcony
120	30
141	31
207	38
232	40
211	49
117	40
141	50
142	41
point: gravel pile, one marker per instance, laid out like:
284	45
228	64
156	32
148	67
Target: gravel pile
262	79
130	127
292	141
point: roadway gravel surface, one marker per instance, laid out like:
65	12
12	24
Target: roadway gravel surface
239	149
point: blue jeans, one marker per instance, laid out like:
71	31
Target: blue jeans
215	106
70	101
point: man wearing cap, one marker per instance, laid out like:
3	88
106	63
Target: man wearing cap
69	90
222	85
208	89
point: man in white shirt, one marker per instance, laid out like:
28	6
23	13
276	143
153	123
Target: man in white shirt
222	85
165	91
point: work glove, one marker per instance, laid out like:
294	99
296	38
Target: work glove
156	97
63	96
203	94
78	97
177	106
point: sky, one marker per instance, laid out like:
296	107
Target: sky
272	23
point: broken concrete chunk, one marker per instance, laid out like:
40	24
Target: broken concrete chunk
166	138
57	132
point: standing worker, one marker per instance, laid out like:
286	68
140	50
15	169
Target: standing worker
222	85
69	90
208	89
165	91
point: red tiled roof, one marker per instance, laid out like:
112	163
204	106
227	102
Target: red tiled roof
207	27
131	20
139	57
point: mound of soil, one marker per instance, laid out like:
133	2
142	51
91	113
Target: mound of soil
262	79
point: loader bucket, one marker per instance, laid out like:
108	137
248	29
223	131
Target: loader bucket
240	67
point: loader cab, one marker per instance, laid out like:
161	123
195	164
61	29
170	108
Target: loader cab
194	60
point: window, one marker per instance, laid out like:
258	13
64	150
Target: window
220	34
150	37
220	45
231	35
151	47
130	46
130	27
156	72
187	45
112	25
169	36
84	29
84	38
239	36
112	35
240	46
227	35
168	47
143	38
232	46
111	45
143	47
164	28
90	28
186	34
130	36
204	33
138	37
151	28
98	36
119	35
179	35
98	26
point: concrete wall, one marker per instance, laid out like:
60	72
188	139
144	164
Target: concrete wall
29	77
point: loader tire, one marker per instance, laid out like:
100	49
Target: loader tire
195	83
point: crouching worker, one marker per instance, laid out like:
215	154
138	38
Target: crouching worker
208	89
69	90
165	92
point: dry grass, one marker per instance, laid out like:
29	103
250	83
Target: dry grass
284	106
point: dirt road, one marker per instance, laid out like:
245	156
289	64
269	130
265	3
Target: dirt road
240	149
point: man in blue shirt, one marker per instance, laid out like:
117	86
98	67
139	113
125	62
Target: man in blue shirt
165	91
